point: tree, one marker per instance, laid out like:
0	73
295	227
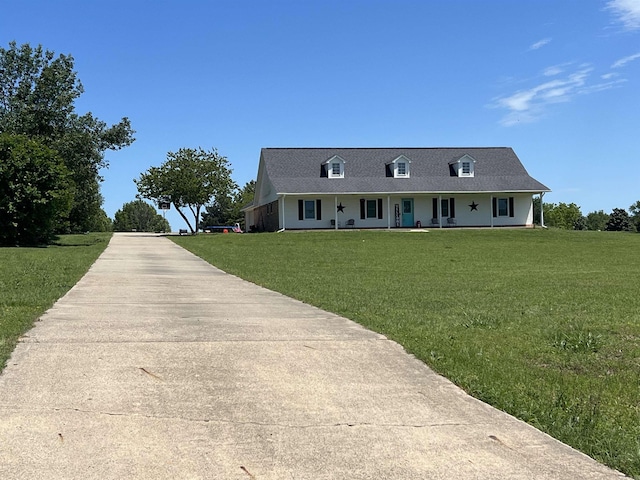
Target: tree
37	99
219	211
141	217
189	178
597	221
243	198
35	191
101	223
634	210
562	215
226	210
619	221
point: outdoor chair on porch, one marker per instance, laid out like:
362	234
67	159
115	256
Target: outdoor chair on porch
435	222
350	223
451	222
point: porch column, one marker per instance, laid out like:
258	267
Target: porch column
335	209
541	211
282	216
388	212
440	210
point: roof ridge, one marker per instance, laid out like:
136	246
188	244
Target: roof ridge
383	148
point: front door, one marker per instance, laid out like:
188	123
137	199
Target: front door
407	212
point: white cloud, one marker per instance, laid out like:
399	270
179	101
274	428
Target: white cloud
599	87
627	12
608	76
623	61
530	105
540	44
553	71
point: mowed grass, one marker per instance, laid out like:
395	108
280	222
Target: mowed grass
543	324
32	279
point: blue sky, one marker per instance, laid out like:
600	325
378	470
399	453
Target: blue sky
556	80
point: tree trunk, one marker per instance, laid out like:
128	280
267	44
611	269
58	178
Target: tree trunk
184	218
197	218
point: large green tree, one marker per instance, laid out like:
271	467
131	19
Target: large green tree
139	216
35	191
597	220
37	98
226	209
619	221
189	179
562	215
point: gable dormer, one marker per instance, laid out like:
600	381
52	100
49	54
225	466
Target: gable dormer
399	168
333	168
463	167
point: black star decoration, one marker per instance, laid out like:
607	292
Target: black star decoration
474	206
341	207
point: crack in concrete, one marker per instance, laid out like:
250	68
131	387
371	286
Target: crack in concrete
267	424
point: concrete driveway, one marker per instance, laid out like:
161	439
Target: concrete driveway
157	365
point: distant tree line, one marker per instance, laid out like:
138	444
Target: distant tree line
569	217
50	156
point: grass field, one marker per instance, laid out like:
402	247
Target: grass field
32	279
544	324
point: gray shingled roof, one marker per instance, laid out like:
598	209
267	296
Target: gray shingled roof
297	170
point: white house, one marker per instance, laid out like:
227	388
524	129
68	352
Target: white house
321	188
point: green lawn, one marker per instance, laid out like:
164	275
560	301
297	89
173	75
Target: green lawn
544	324
32	279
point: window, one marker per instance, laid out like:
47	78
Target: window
333	168
444	207
447	208
309	209
503	207
371	208
400	167
463	167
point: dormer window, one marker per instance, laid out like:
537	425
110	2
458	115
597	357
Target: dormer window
334	167
463	167
400	167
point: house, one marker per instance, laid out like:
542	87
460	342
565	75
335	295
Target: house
321	188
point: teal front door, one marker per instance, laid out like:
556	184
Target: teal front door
407	212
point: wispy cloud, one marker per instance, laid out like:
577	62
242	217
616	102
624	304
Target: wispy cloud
627	12
554	70
608	76
529	105
540	44
623	61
